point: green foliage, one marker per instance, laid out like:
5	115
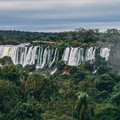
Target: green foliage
29	110
101	65
43	88
10	72
114	75
105	82
8	97
112	35
81	94
83	111
71	98
89	65
6	60
108	112
30	68
78	76
71	38
61	46
100	61
116	99
60	65
24	75
73	70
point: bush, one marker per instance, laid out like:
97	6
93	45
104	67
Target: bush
108	112
60	65
104	82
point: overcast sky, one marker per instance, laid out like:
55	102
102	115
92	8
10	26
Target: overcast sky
59	15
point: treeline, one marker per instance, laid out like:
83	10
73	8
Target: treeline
90	91
71	38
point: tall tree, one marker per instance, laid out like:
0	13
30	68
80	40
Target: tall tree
83	110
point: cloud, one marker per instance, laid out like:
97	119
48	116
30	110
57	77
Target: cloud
58	14
49	4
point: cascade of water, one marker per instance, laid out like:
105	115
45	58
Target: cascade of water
66	54
105	52
13	53
55	58
53	71
75	56
90	53
47	56
39	55
80	56
1	51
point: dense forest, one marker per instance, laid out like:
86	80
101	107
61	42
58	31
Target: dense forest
90	91
75	38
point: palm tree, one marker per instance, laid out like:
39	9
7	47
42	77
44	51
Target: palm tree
83	110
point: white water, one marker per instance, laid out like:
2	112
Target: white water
53	71
75	56
42	57
47	56
90	53
105	52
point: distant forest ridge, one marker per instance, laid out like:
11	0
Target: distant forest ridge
71	38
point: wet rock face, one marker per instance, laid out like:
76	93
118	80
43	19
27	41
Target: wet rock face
114	58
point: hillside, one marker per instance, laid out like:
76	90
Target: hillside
84	83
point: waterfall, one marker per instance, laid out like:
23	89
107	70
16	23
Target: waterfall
48	56
75	56
38	55
66	54
90	53
105	52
